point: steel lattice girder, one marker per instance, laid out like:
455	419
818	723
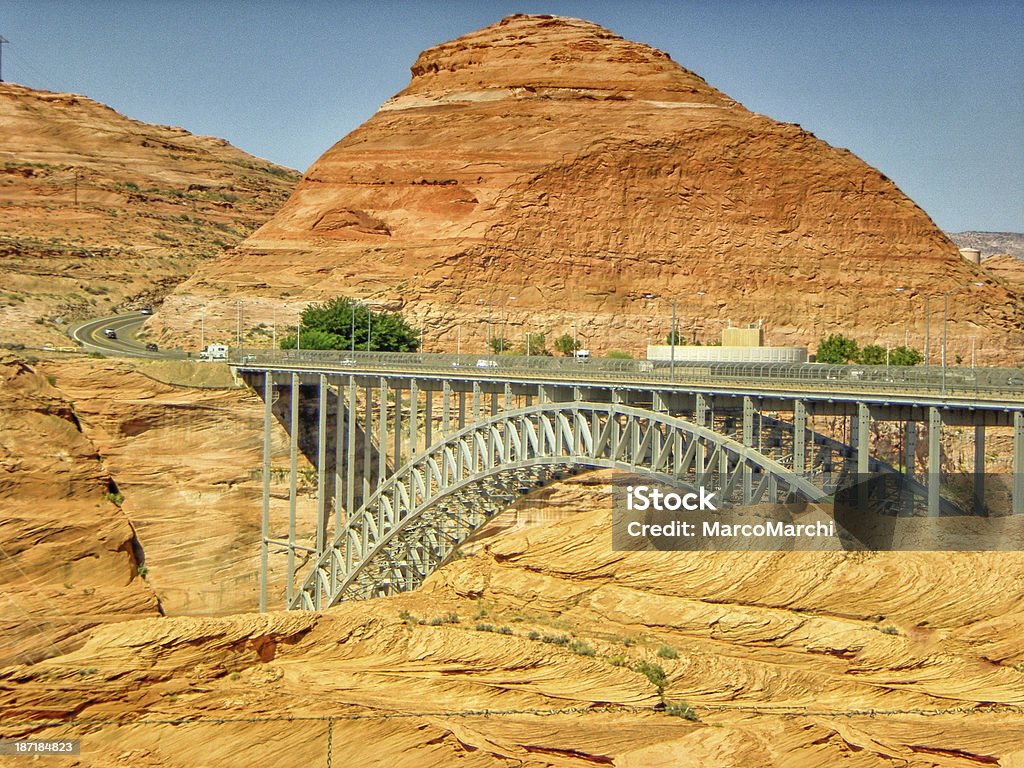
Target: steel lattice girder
487	465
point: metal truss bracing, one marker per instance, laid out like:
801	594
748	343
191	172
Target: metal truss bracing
393	501
420	514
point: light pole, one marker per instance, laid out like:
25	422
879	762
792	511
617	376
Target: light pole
202	331
927	332
700	295
672	341
945	325
238	328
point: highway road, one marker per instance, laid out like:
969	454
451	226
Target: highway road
90	335
998	388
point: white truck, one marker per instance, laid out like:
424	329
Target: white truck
214	352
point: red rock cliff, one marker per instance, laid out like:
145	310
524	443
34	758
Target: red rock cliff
544	172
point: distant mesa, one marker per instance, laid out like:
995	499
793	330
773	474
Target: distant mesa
546	172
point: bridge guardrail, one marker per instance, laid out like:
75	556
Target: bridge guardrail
956	381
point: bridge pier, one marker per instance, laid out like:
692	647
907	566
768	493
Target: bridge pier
979	470
934	460
910	448
799	437
1018	462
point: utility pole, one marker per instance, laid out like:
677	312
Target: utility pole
672	339
3	41
76	187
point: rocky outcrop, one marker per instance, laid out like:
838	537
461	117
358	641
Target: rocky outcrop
532	652
100	211
544	172
69	556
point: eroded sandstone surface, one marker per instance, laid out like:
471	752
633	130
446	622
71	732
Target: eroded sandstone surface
68	553
788	659
544	173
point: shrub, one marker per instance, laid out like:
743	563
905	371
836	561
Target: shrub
581	648
681	709
555	639
504	630
668	652
534	635
116	498
484	627
618	660
889	630
653	672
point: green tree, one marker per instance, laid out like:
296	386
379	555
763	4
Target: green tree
674	338
905	356
499	344
617	354
872	354
336	324
534	344
566	344
838	350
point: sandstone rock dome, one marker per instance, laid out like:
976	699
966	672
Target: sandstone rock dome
544	172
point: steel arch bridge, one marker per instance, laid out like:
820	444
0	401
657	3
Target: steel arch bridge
420	515
410	454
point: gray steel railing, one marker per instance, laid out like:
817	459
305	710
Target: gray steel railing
1005	383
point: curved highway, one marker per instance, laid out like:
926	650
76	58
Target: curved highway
90	335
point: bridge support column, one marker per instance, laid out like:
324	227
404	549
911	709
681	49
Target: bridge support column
339	450
293	471
462	410
414	416
428	420
701	415
748	439
1018	463
910	449
397	460
382	435
863	432
799	438
367	441
446	408
321	463
979	469
934	460
507	397
350	453
476	402
268	405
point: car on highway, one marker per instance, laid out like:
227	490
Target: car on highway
146	311
110	333
486	363
348	361
151	347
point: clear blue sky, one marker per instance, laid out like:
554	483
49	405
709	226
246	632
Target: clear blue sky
931	93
